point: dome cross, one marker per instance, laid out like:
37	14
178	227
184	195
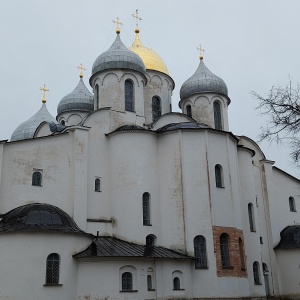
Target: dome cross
118	23
201	51
82	69
45	90
137	19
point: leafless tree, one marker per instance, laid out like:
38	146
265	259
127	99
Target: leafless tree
282	106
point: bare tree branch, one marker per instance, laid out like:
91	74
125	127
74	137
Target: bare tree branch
282	106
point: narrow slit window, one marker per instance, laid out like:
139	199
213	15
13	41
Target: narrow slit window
251	217
256	276
129	102
149	283
156	109
292	204
224	245
217	115
97	96
242	256
189	111
146	209
97	185
219	176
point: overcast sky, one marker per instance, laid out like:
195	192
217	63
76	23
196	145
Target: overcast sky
252	45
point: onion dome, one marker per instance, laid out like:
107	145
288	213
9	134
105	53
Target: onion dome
203	81
27	129
38	217
150	58
118	56
80	99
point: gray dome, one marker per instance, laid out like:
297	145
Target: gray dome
118	56
38	217
203	81
80	99
27	129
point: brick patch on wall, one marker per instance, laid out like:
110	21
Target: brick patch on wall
235	269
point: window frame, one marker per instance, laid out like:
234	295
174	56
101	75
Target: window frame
292	204
52	269
200	252
242	255
219	179
150	240
146	205
97	96
156	108
129	95
251	217
37	181
176	284
189	111
127	281
218	120
256	273
225	251
98	184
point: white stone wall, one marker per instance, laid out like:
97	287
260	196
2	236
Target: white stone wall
23	265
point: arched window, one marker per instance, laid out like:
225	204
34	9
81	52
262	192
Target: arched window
146	209
176	283
217	115
129	95
189	110
292	204
97	185
156	108
242	256
52	269
97	95
63	122
251	217
127	281
200	252
256	275
37	178
219	176
224	245
150	240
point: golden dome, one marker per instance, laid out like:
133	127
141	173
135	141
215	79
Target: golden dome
150	58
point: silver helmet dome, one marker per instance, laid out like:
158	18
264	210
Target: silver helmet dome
203	81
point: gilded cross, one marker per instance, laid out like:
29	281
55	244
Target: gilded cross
118	23
137	18
201	51
44	89
81	68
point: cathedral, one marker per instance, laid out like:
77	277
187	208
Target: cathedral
118	197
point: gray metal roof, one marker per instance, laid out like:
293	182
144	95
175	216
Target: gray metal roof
80	99
38	217
182	125
118	56
289	238
27	129
203	81
106	246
